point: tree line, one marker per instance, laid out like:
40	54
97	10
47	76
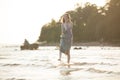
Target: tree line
90	23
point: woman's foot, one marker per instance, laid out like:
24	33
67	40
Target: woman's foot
59	59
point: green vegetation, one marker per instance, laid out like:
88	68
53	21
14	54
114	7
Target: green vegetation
90	24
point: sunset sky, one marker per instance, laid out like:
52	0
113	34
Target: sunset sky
20	19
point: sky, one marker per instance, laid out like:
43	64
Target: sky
20	19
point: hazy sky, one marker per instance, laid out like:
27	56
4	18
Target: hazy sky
20	19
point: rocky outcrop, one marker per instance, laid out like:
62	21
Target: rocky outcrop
33	46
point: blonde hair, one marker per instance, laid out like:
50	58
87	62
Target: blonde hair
62	20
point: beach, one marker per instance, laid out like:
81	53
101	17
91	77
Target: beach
87	63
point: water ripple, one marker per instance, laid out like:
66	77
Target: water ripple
15	64
67	71
102	71
15	79
87	63
83	63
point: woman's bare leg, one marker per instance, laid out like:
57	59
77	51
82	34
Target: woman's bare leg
68	57
60	54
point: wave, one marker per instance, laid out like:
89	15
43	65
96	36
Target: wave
47	64
15	64
112	58
102	71
83	63
67	71
3	58
86	63
30	65
15	79
107	64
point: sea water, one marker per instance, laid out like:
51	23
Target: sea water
88	63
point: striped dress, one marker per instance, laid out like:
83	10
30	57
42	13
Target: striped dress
66	37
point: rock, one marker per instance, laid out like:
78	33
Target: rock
77	48
29	47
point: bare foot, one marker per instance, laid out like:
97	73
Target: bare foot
68	65
59	59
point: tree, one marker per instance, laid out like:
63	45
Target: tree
90	24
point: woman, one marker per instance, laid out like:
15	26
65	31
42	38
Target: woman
66	36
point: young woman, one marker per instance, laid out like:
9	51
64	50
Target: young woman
66	36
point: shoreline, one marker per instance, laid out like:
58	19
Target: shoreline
86	44
112	44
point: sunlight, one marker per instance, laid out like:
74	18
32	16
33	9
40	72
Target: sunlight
97	2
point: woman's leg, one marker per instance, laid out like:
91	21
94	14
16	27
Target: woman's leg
68	56
60	54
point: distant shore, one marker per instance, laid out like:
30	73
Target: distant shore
86	44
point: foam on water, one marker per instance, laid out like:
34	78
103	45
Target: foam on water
89	63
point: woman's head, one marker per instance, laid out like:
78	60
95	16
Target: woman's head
66	18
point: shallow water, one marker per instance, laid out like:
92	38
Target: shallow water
88	63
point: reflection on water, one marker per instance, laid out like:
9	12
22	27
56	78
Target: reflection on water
88	63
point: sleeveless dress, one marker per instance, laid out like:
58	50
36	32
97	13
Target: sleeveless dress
66	37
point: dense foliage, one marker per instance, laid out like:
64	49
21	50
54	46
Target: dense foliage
90	24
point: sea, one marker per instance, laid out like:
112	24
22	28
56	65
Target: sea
87	63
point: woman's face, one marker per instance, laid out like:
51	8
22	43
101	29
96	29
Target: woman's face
66	18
